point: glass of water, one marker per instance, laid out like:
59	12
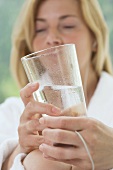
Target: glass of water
56	69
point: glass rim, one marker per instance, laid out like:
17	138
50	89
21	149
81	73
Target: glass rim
40	51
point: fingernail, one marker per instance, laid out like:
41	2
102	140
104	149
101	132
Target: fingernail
41	147
56	110
41	120
32	84
46	156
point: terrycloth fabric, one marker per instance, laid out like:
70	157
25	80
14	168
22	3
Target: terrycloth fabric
101	103
100	107
17	165
6	148
10	112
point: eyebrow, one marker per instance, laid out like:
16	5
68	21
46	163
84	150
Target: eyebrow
66	16
60	18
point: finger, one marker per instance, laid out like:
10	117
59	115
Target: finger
63	153
34	126
27	92
76	162
61	136
31	141
35	107
67	123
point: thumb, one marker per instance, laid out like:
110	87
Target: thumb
75	110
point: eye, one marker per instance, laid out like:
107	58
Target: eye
40	30
69	27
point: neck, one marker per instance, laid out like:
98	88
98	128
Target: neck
90	80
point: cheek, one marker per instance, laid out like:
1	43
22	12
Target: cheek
80	45
35	44
84	50
38	44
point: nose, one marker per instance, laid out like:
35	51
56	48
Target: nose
54	38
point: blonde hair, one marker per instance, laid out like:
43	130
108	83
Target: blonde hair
23	35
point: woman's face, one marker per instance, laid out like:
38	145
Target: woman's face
60	22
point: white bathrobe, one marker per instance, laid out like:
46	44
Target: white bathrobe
100	107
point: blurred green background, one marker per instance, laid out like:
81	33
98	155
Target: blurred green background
9	11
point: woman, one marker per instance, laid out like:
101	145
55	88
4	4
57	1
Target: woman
48	23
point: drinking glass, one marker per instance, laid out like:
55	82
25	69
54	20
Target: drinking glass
56	69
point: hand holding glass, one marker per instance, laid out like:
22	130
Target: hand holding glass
57	71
